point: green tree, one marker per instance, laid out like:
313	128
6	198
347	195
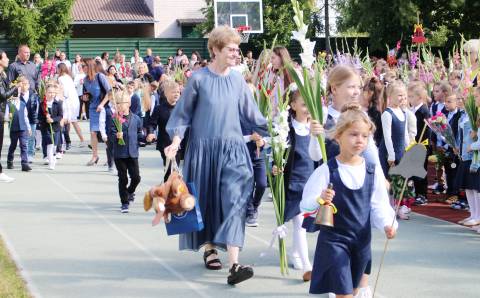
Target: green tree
388	21
277	21
40	24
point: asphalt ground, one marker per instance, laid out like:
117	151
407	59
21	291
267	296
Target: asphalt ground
65	231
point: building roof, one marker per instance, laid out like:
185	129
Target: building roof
111	11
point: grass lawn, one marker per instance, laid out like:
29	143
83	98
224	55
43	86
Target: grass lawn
11	284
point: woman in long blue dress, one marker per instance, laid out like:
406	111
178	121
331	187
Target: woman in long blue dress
214	105
96	88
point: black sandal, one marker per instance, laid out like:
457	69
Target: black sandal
239	273
208	264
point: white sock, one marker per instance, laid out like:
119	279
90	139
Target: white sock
477	204
50	155
471	199
300	242
365	292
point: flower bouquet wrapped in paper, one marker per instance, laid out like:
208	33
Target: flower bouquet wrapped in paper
439	125
118	120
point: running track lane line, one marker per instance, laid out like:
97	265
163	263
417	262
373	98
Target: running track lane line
131	240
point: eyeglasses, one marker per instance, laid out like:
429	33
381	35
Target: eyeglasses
233	50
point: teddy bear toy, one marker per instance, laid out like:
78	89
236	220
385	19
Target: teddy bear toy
167	198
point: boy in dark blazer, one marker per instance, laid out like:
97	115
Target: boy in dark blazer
32	103
49	118
417	97
451	159
16	114
126	156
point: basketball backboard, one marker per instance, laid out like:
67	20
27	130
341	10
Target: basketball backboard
236	13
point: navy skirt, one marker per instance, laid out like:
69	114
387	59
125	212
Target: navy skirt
465	179
339	264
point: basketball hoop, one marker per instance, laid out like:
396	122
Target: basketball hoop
243	35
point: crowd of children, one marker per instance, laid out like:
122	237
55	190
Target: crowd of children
370	122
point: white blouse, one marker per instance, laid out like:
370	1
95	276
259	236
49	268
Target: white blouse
381	214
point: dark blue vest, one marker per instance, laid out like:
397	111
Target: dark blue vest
398	140
353	217
18	122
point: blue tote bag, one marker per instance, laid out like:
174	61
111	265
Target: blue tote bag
186	222
189	221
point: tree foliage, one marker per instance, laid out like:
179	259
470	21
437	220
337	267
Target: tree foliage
40	24
388	21
277	21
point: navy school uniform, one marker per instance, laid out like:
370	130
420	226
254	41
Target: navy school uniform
56	113
398	140
19	129
33	106
298	169
422	113
434	109
466	179
158	121
108	130
126	156
452	160
259	174
343	252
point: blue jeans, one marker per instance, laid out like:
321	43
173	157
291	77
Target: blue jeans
31	141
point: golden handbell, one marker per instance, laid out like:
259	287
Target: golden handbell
325	212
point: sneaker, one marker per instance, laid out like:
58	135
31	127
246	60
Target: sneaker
402	213
420	201
461	222
45	161
131	197
251	221
26	168
30	159
239	273
124	208
295	261
59	155
68	146
81	145
433	186
51	166
439	189
10	165
5	178
472	222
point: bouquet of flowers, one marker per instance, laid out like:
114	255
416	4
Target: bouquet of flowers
11	111
439	125
118	120
47	115
278	129
473	112
310	87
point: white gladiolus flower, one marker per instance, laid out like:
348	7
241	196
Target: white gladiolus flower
307	59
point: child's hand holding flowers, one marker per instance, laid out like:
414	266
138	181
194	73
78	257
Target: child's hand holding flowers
316	128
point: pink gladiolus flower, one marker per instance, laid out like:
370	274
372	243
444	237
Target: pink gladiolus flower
444	126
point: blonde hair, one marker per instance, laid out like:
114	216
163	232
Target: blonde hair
121	97
419	88
393	86
472	46
457	74
351	113
339	75
220	37
445	87
169	84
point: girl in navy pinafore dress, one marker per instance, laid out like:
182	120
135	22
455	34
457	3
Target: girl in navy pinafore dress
394	127
343	252
297	170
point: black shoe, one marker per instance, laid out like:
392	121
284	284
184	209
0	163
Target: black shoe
124	208
68	146
9	165
26	168
131	197
239	273
440	189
